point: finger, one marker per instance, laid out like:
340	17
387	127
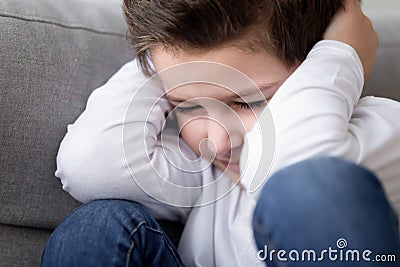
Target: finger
355	3
352	5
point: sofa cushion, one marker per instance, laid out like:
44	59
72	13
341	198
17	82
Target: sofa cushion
385	77
53	53
21	246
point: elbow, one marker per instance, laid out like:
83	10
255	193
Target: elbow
70	172
75	168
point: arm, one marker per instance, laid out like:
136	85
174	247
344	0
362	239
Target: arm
91	162
310	113
317	112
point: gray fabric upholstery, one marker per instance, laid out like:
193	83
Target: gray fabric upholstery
385	77
21	246
53	53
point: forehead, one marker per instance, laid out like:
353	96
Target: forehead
205	79
217	72
248	62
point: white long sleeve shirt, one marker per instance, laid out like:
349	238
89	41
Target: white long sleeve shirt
317	111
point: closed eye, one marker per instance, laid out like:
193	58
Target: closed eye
187	109
241	105
251	105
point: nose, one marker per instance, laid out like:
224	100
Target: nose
224	138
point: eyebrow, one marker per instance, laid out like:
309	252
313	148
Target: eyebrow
245	93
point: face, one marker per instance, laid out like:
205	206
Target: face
213	118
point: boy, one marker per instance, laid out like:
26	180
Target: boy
259	44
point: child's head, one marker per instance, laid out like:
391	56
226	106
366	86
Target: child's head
264	39
285	28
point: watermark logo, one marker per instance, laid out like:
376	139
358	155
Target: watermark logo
341	243
339	253
159	160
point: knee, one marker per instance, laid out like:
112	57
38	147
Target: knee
320	185
93	228
104	214
322	178
320	199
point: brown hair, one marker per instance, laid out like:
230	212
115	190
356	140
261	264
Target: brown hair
287	28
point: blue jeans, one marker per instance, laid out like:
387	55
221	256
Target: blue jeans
325	204
309	206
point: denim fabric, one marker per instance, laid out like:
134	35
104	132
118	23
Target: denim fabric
110	233
322	203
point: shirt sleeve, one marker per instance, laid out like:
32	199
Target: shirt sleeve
115	150
317	112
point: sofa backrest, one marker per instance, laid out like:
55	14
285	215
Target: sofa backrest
53	53
385	77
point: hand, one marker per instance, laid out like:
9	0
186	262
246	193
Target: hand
352	27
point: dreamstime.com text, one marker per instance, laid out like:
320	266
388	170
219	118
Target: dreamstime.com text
340	253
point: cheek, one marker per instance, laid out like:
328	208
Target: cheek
248	119
192	133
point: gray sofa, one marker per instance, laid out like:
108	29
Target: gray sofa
53	53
